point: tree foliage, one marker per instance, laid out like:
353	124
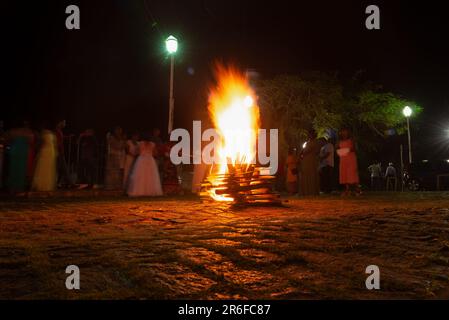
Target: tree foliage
295	104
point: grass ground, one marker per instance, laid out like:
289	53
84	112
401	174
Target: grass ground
176	248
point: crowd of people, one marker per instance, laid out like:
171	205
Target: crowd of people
311	172
35	159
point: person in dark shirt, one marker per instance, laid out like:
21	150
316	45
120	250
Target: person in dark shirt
391	171
156	137
64	179
88	158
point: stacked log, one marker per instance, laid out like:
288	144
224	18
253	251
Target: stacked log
244	184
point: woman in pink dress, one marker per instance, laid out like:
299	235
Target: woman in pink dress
144	179
349	175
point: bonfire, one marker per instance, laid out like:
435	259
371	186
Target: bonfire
236	177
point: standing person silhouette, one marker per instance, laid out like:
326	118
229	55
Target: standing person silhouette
144	179
64	179
44	178
115	159
309	181
349	176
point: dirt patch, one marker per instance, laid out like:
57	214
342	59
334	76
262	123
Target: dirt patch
175	248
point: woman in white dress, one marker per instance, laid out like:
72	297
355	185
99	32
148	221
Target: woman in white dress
144	179
132	151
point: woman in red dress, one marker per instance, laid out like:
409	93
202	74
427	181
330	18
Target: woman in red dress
349	175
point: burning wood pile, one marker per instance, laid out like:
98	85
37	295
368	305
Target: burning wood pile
241	184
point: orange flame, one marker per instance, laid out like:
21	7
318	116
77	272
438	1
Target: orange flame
235	114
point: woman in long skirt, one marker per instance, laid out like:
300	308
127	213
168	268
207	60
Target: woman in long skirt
132	151
144	179
18	141
115	160
45	178
349	175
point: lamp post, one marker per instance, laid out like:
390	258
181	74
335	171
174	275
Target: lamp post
407	111
171	43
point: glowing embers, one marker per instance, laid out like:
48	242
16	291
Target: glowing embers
241	184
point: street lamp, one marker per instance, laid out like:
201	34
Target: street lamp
171	43
407	111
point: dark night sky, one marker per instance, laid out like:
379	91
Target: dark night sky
115	71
